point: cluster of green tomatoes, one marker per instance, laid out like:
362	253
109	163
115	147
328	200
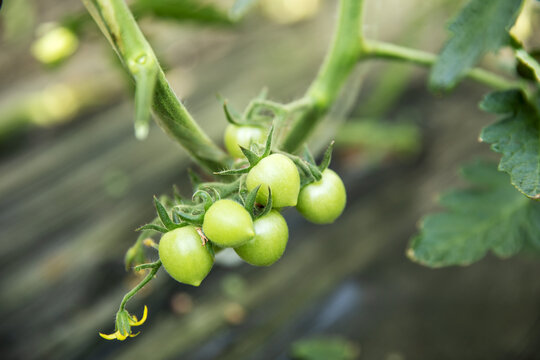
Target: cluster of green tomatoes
245	213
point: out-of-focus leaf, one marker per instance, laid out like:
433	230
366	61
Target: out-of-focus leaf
481	26
516	137
489	216
199	11
324	348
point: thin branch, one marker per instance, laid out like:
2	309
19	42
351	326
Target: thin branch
155	267
340	61
383	50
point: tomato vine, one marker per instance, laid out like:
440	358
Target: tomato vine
263	172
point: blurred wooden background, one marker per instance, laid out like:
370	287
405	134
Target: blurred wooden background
72	194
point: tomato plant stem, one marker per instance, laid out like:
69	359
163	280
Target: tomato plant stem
152	89
338	64
155	267
383	50
349	47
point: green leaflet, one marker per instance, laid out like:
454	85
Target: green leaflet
481	26
516	137
527	64
489	215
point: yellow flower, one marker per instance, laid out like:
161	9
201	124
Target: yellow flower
132	320
117	335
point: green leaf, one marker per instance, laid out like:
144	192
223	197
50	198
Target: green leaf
252	158
163	215
240	8
324	348
488	216
482	26
528	65
154	227
516	137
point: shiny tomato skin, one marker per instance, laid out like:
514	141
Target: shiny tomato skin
323	201
184	257
268	245
228	224
280	174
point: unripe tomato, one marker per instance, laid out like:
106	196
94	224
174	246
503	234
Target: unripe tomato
323	201
280	173
228	224
271	235
184	257
244	135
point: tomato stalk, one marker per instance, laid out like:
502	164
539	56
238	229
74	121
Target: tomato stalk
152	89
155	267
338	64
383	50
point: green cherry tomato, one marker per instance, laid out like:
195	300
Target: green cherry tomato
280	173
323	201
271	235
228	224
184	257
236	136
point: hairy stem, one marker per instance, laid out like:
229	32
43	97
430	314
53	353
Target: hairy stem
340	61
155	267
117	23
382	50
